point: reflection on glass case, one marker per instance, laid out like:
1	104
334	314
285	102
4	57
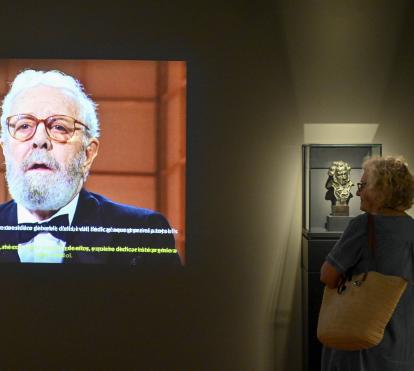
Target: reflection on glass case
330	177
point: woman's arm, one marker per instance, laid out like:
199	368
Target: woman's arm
329	275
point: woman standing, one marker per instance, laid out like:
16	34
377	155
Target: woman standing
386	191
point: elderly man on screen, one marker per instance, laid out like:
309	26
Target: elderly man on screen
49	138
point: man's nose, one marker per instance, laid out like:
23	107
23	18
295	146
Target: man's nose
41	139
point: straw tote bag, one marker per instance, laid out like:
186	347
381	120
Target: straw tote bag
353	316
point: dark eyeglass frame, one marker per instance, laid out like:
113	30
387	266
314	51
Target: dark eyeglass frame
47	122
361	186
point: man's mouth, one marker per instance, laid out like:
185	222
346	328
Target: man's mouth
39	166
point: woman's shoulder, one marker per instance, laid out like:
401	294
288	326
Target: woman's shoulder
399	226
361	218
359	221
394	219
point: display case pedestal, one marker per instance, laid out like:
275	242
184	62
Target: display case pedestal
336	223
314	251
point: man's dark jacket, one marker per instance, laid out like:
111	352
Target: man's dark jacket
98	211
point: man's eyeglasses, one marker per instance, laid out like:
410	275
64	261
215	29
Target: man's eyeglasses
60	128
361	186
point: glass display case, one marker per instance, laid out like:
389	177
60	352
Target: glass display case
323	165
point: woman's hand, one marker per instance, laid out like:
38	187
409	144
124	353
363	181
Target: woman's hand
330	276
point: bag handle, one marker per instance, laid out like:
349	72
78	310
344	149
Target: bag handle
372	246
372	240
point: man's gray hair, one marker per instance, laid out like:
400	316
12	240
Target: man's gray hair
30	78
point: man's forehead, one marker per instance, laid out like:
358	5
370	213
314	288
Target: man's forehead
43	98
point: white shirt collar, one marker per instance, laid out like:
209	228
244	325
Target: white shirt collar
24	215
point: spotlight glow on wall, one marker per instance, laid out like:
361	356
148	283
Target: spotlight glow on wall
339	133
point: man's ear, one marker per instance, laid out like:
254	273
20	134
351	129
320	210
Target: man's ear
3	147
91	152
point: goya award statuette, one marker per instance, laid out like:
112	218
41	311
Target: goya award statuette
338	187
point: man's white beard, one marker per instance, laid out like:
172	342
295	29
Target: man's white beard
38	190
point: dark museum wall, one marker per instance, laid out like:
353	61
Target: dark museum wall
258	71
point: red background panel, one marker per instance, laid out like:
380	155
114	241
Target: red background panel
173	197
172	135
3	77
70	67
3	189
121	79
127	137
176	76
174	119
132	190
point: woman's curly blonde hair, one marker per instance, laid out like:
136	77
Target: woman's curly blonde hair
392	180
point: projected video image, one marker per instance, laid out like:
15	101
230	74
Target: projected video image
94	162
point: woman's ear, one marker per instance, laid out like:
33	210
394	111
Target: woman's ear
379	199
